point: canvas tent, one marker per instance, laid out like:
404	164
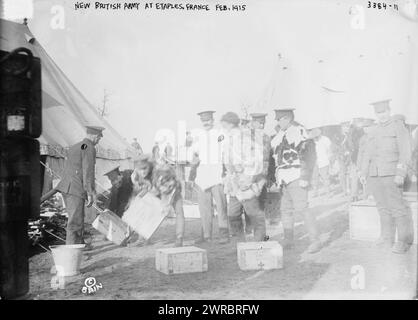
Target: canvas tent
345	69
65	112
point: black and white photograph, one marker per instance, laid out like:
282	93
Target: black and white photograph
226	152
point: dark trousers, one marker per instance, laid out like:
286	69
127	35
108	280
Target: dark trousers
393	209
75	224
254	214
180	221
295	200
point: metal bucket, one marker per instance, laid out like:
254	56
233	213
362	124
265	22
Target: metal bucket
67	259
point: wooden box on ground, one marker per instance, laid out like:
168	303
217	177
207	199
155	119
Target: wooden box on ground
364	219
181	260
110	225
260	255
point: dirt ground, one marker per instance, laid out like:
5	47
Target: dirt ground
336	272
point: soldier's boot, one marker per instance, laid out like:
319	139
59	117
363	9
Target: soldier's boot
223	236
405	229
386	231
312	228
288	239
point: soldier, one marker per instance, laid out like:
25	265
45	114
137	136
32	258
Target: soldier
384	163
367	126
78	183
121	192
209	179
161	180
258	121
323	161
243	159
295	158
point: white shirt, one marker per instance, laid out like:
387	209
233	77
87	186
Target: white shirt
208	146
323	151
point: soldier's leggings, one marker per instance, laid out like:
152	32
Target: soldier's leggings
180	221
75	224
390	203
254	213
295	200
205	201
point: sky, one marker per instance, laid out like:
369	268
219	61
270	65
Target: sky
161	67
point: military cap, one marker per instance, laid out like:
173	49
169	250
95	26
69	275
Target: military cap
259	116
315	132
280	113
367	122
113	169
95	130
206	115
231	117
382	105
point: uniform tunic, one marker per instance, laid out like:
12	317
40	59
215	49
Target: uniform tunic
386	155
295	158
77	183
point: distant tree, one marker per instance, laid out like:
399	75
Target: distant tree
104	107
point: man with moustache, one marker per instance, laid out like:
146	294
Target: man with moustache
208	179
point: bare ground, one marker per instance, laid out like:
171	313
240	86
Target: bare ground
129	272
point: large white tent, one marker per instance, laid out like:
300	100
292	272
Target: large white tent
337	79
65	111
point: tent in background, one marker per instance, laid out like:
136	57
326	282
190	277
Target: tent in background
65	112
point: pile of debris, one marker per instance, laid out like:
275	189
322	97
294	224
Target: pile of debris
49	229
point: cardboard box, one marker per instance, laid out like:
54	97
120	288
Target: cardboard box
110	225
260	255
364	220
181	260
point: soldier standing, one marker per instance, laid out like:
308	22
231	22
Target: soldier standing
209	179
78	183
243	159
258	121
295	158
384	163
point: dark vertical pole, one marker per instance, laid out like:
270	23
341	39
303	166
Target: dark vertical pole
20	125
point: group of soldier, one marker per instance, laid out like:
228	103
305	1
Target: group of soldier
232	167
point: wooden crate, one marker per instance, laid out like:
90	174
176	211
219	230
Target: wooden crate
364	220
145	215
260	255
110	225
181	260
